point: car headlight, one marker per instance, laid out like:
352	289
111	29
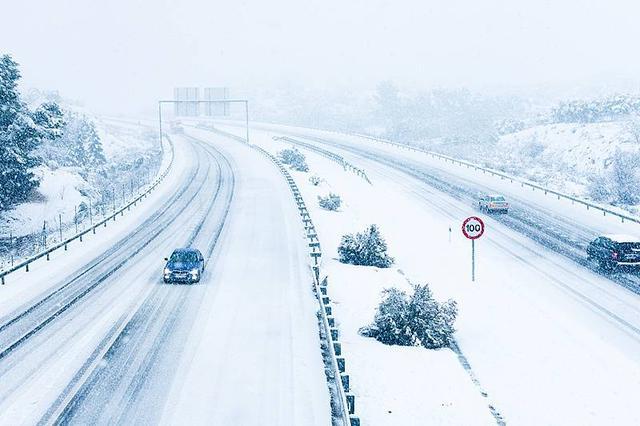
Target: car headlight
195	272
167	271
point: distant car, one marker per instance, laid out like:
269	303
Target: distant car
613	251
493	203
185	265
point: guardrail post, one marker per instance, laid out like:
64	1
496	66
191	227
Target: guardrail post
337	348
335	334
341	364
351	402
315	256
355	421
345	382
47	257
3	280
27	267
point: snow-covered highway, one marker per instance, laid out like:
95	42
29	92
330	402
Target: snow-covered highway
551	339
97	338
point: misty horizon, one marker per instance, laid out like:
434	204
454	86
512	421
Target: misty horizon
121	57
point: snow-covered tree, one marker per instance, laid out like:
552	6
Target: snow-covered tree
21	132
331	202
619	183
632	128
624	173
79	145
412	321
366	248
431	321
315	180
391	324
94	154
294	158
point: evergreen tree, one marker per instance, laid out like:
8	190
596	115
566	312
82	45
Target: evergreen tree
432	322
21	132
366	248
92	145
391	324
419	320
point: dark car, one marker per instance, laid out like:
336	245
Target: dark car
185	265
612	251
493	203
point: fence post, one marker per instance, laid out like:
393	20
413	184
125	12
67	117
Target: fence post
44	234
60	228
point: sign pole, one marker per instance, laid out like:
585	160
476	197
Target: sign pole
473	260
473	228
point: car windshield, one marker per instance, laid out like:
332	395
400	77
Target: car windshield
184	256
498	198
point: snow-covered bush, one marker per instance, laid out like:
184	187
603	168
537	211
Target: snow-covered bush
619	184
416	320
331	202
315	180
294	158
366	248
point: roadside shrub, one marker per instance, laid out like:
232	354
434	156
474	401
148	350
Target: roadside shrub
331	202
416	320
294	158
315	180
366	248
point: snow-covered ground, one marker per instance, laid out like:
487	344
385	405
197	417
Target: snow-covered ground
550	341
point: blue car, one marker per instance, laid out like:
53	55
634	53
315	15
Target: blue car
185	265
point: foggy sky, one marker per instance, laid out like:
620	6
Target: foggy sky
121	56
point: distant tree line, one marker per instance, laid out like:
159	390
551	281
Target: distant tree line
606	109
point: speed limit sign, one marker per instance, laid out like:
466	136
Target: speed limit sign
473	228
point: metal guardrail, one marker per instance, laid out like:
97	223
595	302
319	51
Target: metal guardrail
346	399
502	175
46	253
469	164
327	154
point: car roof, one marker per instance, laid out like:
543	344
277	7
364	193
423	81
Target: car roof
186	250
621	238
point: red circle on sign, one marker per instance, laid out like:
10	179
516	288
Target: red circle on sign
473	227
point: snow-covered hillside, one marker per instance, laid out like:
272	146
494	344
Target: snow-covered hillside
568	157
131	157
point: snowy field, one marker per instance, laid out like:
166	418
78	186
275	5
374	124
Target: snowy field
550	341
